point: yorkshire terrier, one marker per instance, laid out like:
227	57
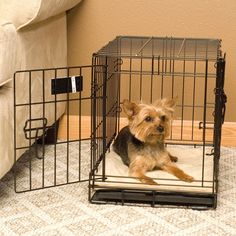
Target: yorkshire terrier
141	144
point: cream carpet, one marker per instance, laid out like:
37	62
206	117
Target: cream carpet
65	211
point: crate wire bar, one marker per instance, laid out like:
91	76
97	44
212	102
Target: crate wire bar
150	68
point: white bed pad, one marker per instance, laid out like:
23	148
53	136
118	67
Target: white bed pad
190	160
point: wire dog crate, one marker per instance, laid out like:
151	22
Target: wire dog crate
137	69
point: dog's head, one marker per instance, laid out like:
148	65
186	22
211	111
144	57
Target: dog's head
150	123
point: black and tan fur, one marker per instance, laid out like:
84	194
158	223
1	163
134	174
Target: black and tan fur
141	144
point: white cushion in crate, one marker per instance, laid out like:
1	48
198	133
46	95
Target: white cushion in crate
8	52
25	12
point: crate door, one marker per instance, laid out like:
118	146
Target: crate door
52	126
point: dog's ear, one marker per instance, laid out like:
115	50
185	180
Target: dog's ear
167	103
130	108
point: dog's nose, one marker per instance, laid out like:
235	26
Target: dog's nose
160	128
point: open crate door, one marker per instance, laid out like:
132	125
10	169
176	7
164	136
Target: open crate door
52	145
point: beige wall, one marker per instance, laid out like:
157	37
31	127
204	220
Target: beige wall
94	22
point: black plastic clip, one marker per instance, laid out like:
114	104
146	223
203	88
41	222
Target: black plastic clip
117	63
208	125
211	153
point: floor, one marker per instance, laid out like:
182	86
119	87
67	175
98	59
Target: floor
65	210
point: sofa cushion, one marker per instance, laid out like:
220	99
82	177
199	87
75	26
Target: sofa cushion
8	51
24	12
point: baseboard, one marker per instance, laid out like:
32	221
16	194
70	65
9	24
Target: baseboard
228	137
81	129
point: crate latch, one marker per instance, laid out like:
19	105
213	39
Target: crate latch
223	99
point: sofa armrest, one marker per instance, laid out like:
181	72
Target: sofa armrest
24	12
8	52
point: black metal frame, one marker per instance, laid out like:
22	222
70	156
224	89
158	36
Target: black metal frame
121	69
161	56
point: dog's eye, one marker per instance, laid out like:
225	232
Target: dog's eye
163	118
148	118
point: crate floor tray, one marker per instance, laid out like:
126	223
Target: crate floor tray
190	159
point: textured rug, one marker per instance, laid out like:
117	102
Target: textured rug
65	210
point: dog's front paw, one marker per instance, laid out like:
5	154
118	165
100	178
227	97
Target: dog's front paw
142	177
188	178
151	182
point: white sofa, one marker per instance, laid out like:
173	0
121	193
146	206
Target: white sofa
33	34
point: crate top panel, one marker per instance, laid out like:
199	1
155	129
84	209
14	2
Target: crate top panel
163	48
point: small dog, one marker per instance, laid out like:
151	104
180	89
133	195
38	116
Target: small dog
141	144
